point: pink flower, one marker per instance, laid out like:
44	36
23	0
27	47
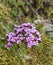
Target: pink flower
25	32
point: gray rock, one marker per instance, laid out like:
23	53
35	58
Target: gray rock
37	21
27	57
49	29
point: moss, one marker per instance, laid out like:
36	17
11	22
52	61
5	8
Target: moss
6	59
4	12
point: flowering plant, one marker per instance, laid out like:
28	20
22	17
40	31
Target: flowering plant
23	32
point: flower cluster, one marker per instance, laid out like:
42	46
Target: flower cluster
24	32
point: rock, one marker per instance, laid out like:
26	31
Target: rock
49	29
37	21
27	57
